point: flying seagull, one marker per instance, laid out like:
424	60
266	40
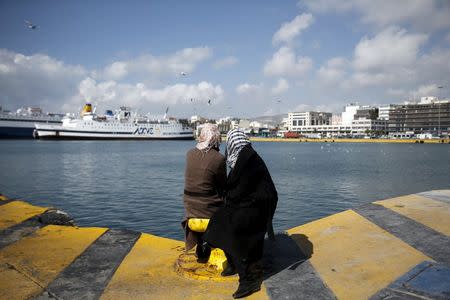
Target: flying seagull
31	25
182	73
209	102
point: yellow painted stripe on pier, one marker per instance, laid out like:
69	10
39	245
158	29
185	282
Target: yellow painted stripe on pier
29	265
336	140
353	256
432	213
441	192
148	272
16	212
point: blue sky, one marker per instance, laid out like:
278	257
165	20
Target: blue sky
250	58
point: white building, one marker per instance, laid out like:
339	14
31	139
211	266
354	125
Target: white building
255	124
298	119
243	123
309	124
224	120
427	100
234	124
349	113
383	111
361	127
195	119
336	119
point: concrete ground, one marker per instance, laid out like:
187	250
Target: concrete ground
397	248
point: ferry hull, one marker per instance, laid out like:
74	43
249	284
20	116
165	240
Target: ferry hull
19	129
16	132
79	135
89	128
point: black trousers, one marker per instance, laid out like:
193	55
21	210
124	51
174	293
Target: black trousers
203	250
249	270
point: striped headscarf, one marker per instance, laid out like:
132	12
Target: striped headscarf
209	137
236	140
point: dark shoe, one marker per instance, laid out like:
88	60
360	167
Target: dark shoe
203	251
202	260
246	288
229	270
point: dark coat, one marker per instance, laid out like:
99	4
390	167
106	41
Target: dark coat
239	227
204	185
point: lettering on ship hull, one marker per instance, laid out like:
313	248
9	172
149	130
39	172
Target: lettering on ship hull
143	130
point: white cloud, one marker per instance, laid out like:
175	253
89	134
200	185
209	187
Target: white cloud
40	80
225	62
185	60
247	88
292	29
435	67
324	6
317	107
366	79
392	47
285	63
281	86
396	92
36	80
333	71
113	94
427	90
116	70
431	14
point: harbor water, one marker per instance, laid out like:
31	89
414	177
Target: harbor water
138	185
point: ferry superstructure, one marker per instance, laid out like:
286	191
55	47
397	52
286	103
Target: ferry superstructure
119	126
21	124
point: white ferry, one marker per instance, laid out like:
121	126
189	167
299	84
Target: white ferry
20	124
114	126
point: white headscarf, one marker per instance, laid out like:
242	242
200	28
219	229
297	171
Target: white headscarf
209	137
236	140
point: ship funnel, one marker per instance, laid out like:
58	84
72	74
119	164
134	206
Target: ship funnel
87	109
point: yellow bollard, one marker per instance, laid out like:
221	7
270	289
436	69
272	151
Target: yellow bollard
198	225
217	259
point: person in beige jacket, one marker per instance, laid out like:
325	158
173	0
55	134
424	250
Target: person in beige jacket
205	179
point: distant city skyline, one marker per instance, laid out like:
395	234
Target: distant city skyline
214	59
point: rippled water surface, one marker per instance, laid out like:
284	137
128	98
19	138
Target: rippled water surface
138	184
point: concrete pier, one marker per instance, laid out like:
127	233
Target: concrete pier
395	248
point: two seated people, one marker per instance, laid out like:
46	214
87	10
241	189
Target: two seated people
239	206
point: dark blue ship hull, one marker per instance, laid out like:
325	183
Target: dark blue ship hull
16	132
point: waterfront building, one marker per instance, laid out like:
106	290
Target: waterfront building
384	111
336	119
234	124
366	112
430	115
197	119
349	113
244	123
224	127
310	118
364	127
224	120
255	124
323	130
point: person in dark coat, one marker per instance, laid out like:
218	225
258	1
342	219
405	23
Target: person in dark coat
240	226
205	179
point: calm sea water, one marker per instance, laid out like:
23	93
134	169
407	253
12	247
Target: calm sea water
138	184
